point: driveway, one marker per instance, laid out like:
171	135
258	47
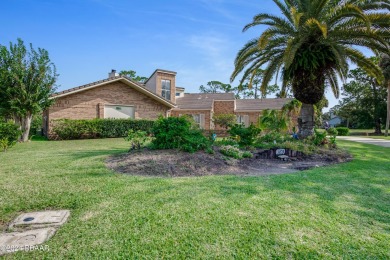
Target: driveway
380	142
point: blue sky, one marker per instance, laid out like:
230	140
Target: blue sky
87	38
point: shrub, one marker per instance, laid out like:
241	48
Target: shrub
178	132
273	120
332	131
226	141
67	129
342	131
225	120
235	152
319	138
36	125
136	138
9	134
245	135
273	137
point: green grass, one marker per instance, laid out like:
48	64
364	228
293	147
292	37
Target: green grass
338	212
378	137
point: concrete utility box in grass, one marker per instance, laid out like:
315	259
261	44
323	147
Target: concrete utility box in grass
41	219
24	241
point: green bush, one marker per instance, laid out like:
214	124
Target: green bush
67	129
225	120
342	131
235	152
245	135
319	138
226	141
136	138
9	134
273	137
178	132
332	131
36	125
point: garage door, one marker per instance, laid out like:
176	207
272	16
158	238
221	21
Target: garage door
118	111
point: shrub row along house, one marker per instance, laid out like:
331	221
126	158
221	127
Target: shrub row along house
121	97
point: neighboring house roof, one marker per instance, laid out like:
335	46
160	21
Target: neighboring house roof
247	105
136	85
335	120
201	101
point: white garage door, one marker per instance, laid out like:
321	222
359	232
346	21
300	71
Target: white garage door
118	111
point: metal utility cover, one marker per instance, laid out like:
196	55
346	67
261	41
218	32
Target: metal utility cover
40	219
17	241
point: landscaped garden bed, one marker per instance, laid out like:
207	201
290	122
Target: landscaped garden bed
173	163
177	148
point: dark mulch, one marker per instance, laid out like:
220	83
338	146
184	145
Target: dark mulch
174	163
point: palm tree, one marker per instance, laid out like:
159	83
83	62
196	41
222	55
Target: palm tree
385	66
311	45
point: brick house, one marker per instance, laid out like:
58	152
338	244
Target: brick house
121	97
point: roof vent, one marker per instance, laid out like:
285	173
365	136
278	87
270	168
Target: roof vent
112	74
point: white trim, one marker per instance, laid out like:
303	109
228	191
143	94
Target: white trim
124	80
193	109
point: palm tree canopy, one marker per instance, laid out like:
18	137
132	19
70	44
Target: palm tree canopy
311	44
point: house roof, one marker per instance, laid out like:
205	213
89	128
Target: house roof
201	101
163	71
260	104
136	85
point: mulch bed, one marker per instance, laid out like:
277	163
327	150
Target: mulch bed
174	163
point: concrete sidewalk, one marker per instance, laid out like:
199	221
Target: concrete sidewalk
365	140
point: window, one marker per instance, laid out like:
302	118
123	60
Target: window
240	119
166	89
199	120
243	119
119	111
177	94
196	118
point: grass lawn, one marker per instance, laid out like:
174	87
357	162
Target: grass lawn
340	211
378	137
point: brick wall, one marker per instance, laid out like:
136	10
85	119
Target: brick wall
224	107
160	76
89	104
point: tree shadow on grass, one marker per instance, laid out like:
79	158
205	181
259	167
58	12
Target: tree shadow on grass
361	184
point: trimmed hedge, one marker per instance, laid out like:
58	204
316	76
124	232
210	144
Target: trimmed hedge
342	131
66	129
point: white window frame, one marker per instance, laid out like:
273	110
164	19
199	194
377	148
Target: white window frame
243	119
199	120
166	93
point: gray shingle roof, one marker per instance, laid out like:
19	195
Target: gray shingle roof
260	104
201	101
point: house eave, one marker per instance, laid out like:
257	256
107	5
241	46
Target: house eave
123	80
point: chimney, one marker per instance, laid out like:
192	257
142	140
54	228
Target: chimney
112	74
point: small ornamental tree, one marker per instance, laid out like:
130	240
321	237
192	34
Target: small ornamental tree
27	78
224	120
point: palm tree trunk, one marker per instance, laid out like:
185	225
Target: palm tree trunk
306	121
388	109
377	119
